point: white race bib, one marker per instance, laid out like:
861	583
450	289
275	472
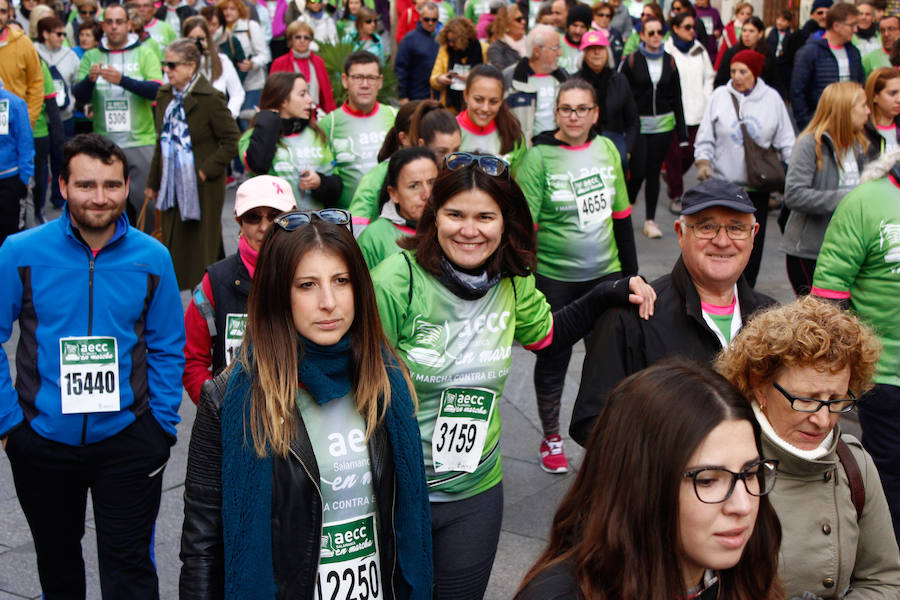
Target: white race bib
89	374
594	200
461	429
4	117
459	85
60	88
348	561
118	115
235	324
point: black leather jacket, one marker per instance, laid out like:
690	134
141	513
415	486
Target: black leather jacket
296	509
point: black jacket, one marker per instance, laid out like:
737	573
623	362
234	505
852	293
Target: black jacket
660	98
183	13
769	73
296	509
876	142
622	343
618	109
229	281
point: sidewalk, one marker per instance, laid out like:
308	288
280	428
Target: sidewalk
530	495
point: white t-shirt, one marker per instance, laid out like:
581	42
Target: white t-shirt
843	61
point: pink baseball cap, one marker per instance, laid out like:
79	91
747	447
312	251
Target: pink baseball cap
593	38
264	190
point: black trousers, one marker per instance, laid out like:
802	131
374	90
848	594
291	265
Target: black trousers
12	191
761	202
879	416
646	163
124	475
800	273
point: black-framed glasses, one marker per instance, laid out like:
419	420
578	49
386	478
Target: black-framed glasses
713	485
430	19
709	231
811	405
488	163
360	78
58	33
290	221
255	218
579	111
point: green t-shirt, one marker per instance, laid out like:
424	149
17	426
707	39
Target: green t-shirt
570	59
337	433
860	260
123	117
475	8
162	33
354	141
875	60
379	240
364	206
546	86
486	140
295	154
458	355
40	125
445	11
574	193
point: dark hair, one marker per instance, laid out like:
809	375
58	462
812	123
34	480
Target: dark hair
276	90
786	15
508	127
631	475
516	253
47	25
543	11
209	11
657	11
839	13
678	18
576	83
429	119
208	48
757	24
95	146
401	124
652	20
400	159
360	57
362	15
95	28
115	5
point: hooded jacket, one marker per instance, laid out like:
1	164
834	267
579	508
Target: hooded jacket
521	96
814	68
20	70
695	75
654	99
66	62
16	147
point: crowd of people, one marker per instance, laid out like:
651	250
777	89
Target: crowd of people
396	241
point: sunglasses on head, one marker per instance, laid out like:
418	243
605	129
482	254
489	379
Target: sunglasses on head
430	19
254	218
290	221
487	163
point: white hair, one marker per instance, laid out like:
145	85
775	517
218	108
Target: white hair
540	32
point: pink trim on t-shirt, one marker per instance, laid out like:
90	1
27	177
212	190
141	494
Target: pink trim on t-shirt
622	214
405	229
95	251
832	294
548	339
540	74
358	114
466	123
891	127
834	47
719	310
583	146
359	220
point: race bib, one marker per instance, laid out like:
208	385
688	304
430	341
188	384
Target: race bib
4	117
461	429
235	325
60	87
89	374
459	85
594	200
118	115
348	561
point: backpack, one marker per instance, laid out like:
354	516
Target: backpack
63	95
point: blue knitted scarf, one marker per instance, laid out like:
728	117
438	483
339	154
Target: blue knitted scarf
247	482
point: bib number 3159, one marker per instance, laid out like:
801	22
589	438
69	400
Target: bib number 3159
89	374
461	429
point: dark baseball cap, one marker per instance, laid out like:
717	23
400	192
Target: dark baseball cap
715	192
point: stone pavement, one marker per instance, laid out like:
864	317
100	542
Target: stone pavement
530	495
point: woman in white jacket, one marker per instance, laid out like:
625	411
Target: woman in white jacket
215	66
253	58
719	147
696	74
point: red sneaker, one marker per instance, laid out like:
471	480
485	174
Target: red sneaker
553	459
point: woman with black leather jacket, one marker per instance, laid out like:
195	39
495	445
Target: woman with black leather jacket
305	473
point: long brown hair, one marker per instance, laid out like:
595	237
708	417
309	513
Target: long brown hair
272	350
276	90
832	116
508	128
618	523
875	84
392	141
429	119
208	49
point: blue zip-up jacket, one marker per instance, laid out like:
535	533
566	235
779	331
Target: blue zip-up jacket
415	57
814	68
51	282
17	146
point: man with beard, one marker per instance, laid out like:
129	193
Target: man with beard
578	22
98	382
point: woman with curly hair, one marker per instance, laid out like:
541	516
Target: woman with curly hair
460	50
802	365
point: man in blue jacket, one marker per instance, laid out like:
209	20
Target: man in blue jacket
16	159
824	61
98	377
415	56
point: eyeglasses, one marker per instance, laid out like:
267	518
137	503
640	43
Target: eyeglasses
429	19
254	218
653	33
688	27
171	64
888	29
487	163
366	78
290	221
369	21
555	48
713	485
87	12
709	231
811	405
580	111
519	19
604	15
303	36
58	33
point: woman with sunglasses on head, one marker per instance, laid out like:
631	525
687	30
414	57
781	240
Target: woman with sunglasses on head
654	79
283	141
196	139
407	187
801	366
214	65
304	476
675	505
487	123
301	59
215	319
422	123
578	198
451	304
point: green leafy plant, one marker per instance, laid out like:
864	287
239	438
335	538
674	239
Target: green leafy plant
334	56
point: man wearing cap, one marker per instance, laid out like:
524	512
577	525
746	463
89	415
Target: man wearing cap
578	22
824	61
215	318
700	305
814	28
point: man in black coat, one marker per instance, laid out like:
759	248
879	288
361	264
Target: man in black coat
700	305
